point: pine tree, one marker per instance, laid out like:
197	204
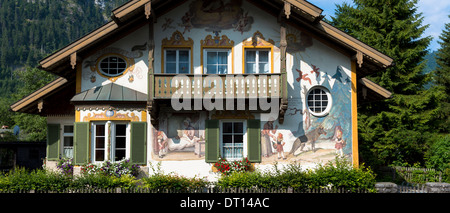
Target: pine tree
395	28
442	77
398	130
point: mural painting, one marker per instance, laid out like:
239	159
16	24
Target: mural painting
216	15
180	136
308	138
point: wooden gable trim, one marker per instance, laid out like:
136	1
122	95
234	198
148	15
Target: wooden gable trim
38	94
121	12
375	88
307	8
118	14
78	44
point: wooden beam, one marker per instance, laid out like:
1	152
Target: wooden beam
148	9
287	9
73	59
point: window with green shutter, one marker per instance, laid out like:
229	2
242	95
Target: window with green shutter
225	138
212	141
254	140
138	140
81	143
53	141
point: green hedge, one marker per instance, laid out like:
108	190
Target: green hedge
337	175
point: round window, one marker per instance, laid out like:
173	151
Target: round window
113	66
319	101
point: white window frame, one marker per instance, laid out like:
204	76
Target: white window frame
205	59
177	60
63	136
109	63
112	137
113	140
258	50
244	144
329	104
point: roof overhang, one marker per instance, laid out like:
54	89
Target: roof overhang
42	101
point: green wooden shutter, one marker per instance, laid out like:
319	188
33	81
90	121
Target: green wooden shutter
81	143
254	140
138	140
212	141
53	141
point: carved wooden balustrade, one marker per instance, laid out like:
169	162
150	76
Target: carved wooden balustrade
237	86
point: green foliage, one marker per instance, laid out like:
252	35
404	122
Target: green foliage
439	155
161	181
340	174
173	182
442	78
22	180
399	130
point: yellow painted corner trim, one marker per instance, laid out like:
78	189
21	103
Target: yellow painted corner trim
78	78
355	149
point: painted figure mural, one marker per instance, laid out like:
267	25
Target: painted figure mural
180	136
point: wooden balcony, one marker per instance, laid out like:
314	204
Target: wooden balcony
248	87
167	86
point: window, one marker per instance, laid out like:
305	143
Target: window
257	61
99	142
120	142
232	138
113	66
217	61
118	146
68	141
319	101
177	61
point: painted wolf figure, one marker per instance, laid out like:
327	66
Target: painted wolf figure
310	137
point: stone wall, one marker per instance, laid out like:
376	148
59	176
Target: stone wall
434	187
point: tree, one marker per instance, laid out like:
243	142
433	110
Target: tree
34	126
398	130
442	77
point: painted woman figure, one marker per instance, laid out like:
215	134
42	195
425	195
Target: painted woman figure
340	142
267	133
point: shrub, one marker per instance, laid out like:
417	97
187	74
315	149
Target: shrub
290	176
101	181
173	182
22	180
341	174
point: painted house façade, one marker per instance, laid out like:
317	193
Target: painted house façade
186	82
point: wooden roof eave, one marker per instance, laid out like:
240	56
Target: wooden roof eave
124	13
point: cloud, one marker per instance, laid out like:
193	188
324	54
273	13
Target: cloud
434	12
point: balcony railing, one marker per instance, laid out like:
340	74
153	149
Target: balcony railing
224	86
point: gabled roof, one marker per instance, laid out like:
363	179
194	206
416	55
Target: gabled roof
138	12
110	92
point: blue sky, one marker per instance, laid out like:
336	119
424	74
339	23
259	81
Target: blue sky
435	13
